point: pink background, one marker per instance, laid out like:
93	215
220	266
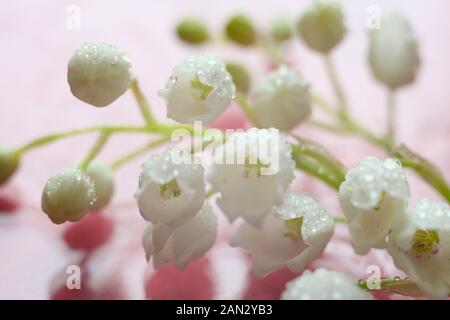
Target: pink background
35	99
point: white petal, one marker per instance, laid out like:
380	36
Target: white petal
430	270
195	238
174	210
269	247
323	284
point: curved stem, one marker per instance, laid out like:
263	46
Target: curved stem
309	148
137	152
96	148
142	102
245	106
314	168
44	140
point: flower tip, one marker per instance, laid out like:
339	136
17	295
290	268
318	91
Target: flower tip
9	162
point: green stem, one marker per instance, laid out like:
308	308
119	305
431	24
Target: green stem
245	106
142	102
96	148
44	140
335	83
399	286
340	219
137	153
390	117
308	148
425	169
314	168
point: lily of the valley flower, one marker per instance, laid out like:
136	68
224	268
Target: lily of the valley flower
393	53
98	73
294	235
170	192
281	100
200	89
373	197
421	247
322	26
182	244
323	284
259	170
102	176
68	195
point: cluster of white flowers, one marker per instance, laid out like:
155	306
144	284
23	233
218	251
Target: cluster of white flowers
374	198
252	171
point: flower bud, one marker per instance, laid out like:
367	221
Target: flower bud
102	176
323	284
98	74
200	89
240	29
282	30
393	55
281	100
192	31
9	161
67	195
322	26
240	76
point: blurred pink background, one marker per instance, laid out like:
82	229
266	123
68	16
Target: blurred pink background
35	100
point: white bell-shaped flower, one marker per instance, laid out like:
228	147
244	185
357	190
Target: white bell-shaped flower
373	197
67	195
393	52
281	100
171	190
421	247
98	73
200	89
182	244
102	176
323	284
294	235
252	171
